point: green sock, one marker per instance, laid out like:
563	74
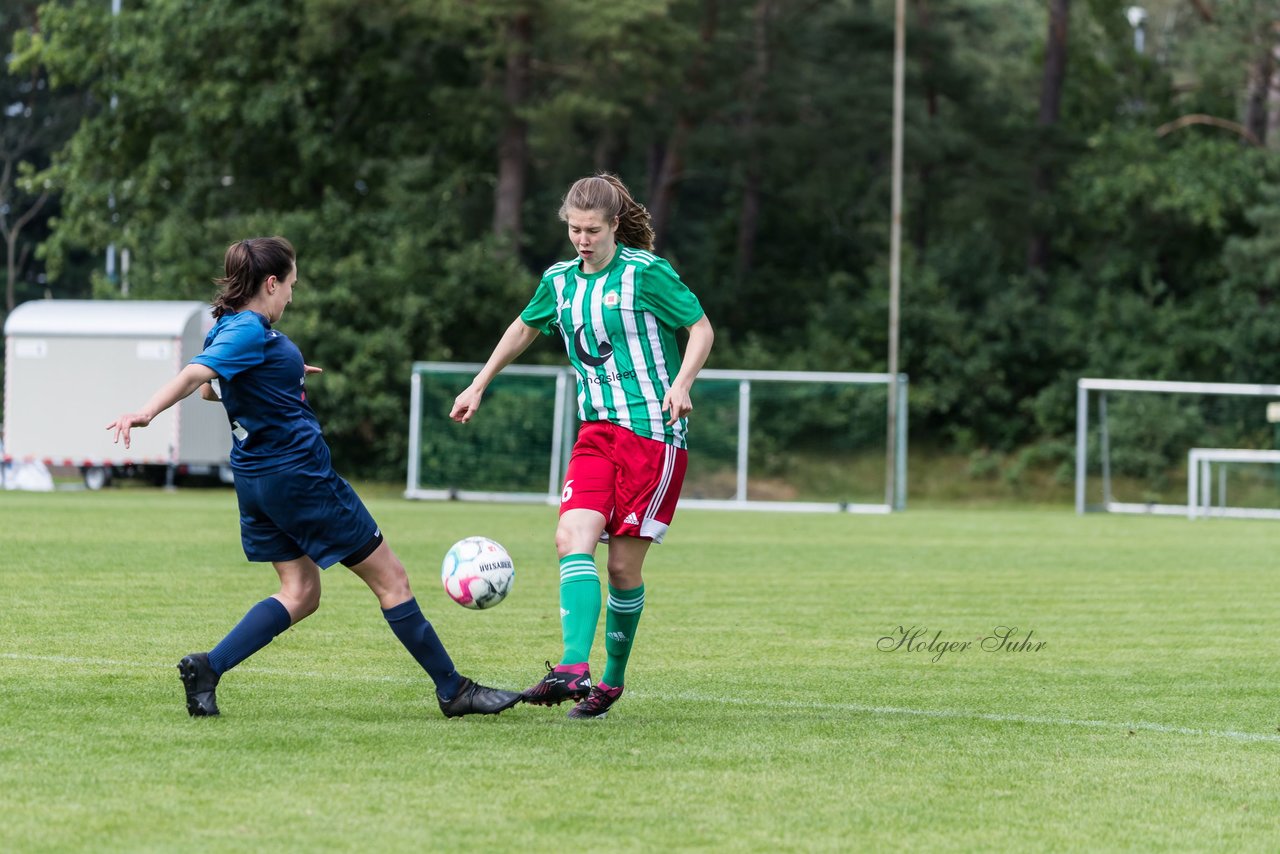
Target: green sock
579	606
620	623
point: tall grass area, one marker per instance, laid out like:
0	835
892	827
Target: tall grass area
764	710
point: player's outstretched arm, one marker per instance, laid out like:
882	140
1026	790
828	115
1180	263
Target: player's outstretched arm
514	341
188	380
677	400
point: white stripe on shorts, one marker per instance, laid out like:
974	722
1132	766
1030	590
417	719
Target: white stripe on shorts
650	526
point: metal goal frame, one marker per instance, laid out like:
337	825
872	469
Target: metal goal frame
565	427
1102	386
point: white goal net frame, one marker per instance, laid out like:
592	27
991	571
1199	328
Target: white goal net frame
427	479
1199	459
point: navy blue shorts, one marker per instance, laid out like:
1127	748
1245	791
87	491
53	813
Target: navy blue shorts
288	514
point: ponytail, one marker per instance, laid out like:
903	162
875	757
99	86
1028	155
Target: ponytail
248	263
607	194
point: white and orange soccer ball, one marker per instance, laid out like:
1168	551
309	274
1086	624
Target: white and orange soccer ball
477	573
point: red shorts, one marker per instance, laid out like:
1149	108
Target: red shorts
632	481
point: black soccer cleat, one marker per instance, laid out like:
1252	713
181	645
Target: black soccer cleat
597	703
558	686
475	699
200	682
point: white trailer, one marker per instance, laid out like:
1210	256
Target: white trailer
73	366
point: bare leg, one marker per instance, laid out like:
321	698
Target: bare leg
299	587
385	575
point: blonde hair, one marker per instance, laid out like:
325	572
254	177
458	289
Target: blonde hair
607	194
248	263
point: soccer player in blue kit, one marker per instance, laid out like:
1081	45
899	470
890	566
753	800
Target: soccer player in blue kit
295	511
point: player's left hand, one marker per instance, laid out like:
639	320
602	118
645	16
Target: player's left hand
677	402
125	423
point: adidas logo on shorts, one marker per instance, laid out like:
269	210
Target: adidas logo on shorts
631	520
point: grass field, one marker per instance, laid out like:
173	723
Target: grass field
764	712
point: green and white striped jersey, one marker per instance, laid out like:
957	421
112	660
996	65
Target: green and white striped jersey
618	327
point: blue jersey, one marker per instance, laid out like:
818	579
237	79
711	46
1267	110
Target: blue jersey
262	384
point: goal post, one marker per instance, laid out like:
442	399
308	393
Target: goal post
1139	436
518	434
761	440
779	420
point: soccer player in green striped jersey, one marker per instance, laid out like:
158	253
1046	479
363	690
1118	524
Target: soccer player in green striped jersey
617	307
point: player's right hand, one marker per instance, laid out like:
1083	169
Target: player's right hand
466	404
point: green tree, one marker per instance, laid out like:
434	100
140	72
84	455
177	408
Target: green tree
36	122
313	119
416	151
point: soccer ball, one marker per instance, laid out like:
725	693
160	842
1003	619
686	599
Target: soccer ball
477	573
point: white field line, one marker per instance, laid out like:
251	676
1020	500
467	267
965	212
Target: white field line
852	708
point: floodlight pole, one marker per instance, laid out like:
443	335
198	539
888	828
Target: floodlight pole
1137	19
895	248
112	275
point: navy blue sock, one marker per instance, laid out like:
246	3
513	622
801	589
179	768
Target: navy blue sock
254	631
420	639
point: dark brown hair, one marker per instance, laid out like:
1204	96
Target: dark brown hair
248	264
607	194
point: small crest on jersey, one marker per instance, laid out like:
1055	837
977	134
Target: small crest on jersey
611	299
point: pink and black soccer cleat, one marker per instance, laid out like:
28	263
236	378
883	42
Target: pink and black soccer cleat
561	683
